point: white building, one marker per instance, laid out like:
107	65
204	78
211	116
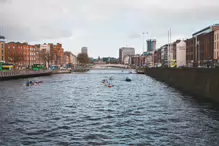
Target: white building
181	53
74	59
45	47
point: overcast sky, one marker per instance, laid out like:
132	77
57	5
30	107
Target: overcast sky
104	25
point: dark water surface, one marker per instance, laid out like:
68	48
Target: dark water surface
77	109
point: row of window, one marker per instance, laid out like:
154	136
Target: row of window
216	56
32	49
216	45
30	58
216	36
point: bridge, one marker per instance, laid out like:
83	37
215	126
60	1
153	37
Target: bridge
99	66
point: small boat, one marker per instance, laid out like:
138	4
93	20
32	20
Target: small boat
111	78
130	72
32	83
128	79
110	86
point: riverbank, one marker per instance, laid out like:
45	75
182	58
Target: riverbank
16	74
61	71
80	69
199	82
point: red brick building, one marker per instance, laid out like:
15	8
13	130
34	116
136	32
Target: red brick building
21	54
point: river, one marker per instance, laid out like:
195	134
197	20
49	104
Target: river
77	109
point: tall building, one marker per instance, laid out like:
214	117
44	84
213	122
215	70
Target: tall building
125	51
151	45
2	48
84	50
206	44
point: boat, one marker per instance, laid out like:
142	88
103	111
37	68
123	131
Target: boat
32	83
111	78
128	79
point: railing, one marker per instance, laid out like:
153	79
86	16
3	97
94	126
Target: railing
21	73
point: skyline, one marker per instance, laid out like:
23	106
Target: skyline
104	27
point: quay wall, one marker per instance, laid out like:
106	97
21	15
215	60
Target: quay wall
199	82
22	74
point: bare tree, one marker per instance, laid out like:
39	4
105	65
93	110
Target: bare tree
83	58
15	56
45	57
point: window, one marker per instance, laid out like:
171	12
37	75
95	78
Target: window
2	57
2	52
2	46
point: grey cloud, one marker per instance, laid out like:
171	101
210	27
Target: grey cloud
52	19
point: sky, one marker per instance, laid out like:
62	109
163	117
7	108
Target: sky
104	26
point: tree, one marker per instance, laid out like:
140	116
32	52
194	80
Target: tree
83	58
15	56
45	57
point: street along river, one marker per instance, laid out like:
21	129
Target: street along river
77	109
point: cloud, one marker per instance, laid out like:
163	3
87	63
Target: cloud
121	21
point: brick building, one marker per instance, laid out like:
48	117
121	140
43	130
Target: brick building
205	47
21	54
190	51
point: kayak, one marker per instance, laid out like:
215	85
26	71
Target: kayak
128	79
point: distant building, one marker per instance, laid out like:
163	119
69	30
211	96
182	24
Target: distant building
125	51
45	47
2	48
151	45
70	59
84	50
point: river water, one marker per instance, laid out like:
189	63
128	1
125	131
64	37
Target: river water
77	109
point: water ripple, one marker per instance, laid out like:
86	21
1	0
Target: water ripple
77	109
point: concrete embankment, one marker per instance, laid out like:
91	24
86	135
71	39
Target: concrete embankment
80	69
61	71
199	82
22	74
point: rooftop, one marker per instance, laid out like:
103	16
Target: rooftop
2	37
205	30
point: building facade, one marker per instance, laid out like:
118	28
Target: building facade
84	50
20	54
181	54
190	52
151	45
216	45
2	48
205	46
125	51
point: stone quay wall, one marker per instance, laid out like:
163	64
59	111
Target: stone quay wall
22	74
199	82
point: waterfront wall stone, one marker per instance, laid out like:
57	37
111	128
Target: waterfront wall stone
22	74
200	82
